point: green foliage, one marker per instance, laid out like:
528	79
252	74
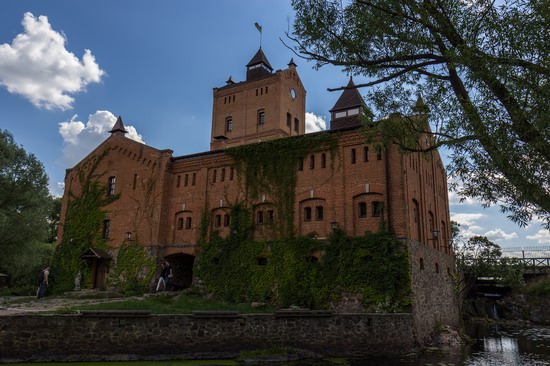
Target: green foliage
539	288
82	229
270	168
480	257
24	204
135	268
482	68
374	265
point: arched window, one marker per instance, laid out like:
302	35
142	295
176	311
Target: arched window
261	117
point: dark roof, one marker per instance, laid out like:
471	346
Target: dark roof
95	253
119	126
259	57
292	63
350	98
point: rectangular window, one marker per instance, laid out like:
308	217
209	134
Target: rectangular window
226	220
323	160
186	180
353	156
218	221
194	178
340	114
288	120
301	165
260	217
266	89
214	175
307	213
312	162
365	153
178	181
222	178
188	223
231	172
377	207
111	183
106	229
353	112
296	125
271	216
261	117
135	181
362	209
229	124
180	223
319	214
379	155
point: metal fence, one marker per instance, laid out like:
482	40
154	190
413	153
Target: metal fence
526	252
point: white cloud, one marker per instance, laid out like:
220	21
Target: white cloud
80	138
466	219
542	237
499	234
315	123
455	199
38	66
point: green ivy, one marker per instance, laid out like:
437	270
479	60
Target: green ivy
374	265
271	168
135	268
82	229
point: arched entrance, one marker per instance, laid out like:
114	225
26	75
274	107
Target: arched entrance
182	265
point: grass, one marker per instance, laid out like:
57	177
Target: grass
538	288
141	363
161	304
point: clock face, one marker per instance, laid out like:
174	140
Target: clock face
293	93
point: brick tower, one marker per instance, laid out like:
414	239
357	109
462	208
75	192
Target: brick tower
267	105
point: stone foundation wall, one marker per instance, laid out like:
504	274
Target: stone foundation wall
118	337
433	297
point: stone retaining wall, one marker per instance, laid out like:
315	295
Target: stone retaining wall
119	337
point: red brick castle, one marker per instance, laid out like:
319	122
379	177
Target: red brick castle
163	196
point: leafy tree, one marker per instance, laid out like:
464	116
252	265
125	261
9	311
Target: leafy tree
24	204
480	257
481	66
53	219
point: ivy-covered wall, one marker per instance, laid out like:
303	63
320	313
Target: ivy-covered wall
84	218
284	272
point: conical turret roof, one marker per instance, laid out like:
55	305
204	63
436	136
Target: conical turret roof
350	98
259	57
119	126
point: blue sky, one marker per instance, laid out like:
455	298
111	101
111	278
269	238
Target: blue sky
67	68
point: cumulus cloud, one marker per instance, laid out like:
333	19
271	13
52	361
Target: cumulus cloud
499	234
315	123
80	138
466	219
456	199
542	237
38	66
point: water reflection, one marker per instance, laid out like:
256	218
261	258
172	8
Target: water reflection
493	345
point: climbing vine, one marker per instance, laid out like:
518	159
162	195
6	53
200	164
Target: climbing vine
270	168
83	220
282	272
135	268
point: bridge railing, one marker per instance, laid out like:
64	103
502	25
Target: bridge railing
535	252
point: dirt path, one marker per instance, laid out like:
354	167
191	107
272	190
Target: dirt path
14	305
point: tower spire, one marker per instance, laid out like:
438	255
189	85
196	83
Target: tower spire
118	128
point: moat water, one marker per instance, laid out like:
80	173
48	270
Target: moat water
492	345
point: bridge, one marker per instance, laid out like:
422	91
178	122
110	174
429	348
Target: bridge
535	260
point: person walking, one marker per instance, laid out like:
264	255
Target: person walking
169	276
162	278
43	282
